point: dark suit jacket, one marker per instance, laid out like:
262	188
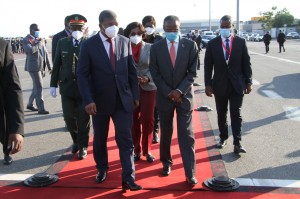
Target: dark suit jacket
99	83
217	72
168	78
198	41
64	67
55	40
281	37
11	97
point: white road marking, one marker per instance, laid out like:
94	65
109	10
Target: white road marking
272	94
268	182
242	181
15	177
278	58
292	113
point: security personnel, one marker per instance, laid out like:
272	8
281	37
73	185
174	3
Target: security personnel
64	75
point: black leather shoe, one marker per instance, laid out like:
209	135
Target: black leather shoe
7	159
137	157
44	112
82	153
101	176
74	148
150	158
131	185
155	138
221	143
239	149
166	170
32	108
192	181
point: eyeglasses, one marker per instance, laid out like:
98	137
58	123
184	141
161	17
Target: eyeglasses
134	33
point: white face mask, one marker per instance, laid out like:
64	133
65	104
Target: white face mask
77	34
136	39
149	30
112	31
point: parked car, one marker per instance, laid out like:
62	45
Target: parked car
206	39
292	35
258	38
253	36
246	36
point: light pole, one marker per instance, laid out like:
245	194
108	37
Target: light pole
209	15
238	16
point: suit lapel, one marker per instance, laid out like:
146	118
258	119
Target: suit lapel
220	48
118	47
101	49
180	50
233	48
143	53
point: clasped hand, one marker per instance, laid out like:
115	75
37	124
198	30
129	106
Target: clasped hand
175	96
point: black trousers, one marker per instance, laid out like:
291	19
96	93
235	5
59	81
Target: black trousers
267	47
235	104
77	120
281	45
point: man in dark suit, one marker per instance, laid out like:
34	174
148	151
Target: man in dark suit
173	62
64	74
281	40
267	38
108	84
64	33
11	104
227	59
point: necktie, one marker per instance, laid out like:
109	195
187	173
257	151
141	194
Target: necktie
172	53
227	49
76	43
112	56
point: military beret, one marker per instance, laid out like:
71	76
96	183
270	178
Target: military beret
77	20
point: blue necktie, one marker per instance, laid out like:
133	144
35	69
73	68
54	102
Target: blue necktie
227	49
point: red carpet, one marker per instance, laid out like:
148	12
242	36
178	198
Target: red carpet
77	178
82	173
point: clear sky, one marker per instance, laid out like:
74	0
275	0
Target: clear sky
17	15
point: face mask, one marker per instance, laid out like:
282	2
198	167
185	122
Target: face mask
149	30
225	32
136	39
36	34
172	36
112	31
77	34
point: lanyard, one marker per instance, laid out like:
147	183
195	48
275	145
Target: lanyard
224	47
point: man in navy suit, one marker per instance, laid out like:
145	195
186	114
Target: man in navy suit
228	75
62	34
108	84
173	63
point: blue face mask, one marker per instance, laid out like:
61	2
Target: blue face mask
172	36
36	34
225	32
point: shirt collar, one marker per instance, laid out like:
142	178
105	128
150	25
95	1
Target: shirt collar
31	36
176	40
103	38
224	38
77	39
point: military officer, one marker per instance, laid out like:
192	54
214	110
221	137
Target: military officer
64	75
